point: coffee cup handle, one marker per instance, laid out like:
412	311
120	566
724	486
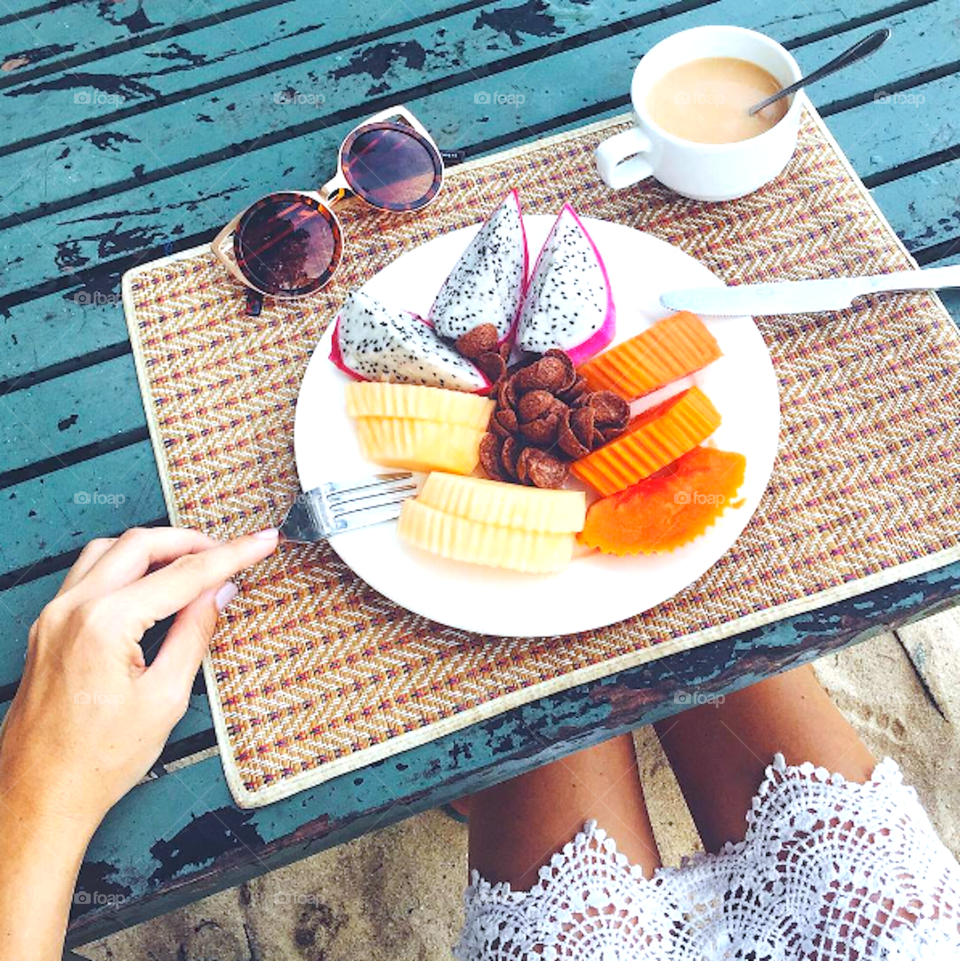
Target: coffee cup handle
620	158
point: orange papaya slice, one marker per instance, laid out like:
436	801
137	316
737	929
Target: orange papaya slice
669	509
672	348
651	441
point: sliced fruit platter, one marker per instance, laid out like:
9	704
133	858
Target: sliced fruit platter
582	455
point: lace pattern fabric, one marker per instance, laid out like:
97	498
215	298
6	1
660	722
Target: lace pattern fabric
829	870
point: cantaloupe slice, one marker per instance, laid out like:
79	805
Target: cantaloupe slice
412	401
669	509
651	441
459	539
505	505
672	348
421	445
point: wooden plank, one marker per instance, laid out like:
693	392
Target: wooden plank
254	114
892	131
55	329
922	37
49	420
268	105
149	218
35	40
925	206
14	10
113	81
180	837
61	511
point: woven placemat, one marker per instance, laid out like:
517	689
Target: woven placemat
313	674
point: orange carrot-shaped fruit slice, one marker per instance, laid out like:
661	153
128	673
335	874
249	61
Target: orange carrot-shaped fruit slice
672	348
669	509
651	441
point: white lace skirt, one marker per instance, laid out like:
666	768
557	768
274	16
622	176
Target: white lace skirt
830	870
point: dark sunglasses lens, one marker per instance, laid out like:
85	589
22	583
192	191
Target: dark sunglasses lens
392	166
287	245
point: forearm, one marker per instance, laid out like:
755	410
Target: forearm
90	716
39	860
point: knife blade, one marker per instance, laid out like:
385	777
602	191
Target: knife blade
803	296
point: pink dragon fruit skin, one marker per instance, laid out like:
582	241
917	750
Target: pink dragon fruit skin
488	282
374	342
569	303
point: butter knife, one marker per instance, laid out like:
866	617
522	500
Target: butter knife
803	296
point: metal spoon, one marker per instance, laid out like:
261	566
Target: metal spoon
863	48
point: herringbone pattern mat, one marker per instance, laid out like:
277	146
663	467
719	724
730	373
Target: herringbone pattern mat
313	674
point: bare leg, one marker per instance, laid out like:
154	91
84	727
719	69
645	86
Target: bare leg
516	826
719	751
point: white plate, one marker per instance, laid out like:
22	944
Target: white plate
595	590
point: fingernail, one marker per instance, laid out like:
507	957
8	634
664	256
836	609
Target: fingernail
225	595
270	534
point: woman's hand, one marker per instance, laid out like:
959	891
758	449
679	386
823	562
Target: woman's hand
90	718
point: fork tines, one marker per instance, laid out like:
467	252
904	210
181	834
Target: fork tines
339	506
350	505
382	491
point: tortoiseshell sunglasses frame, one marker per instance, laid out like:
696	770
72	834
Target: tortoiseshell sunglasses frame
334	190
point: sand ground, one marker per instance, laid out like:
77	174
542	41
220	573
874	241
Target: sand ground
395	895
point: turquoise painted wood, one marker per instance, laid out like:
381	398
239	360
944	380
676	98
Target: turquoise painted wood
99	230
81	37
56	416
66	494
153	218
222	103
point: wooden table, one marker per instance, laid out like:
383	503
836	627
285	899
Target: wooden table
135	129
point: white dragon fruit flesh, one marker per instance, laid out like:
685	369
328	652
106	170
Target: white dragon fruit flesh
487	284
374	342
568	303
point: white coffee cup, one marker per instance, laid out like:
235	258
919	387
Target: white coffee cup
703	171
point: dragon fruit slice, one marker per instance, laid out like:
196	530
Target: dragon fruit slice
486	286
374	342
568	303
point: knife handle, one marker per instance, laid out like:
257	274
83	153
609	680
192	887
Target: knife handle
932	278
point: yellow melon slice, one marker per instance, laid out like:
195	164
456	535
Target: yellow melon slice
506	505
422	445
460	539
411	401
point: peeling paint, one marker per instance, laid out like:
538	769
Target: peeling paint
206	838
377	60
530	18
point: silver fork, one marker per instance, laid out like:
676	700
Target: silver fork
334	508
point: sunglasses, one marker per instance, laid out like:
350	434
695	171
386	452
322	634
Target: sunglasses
289	244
